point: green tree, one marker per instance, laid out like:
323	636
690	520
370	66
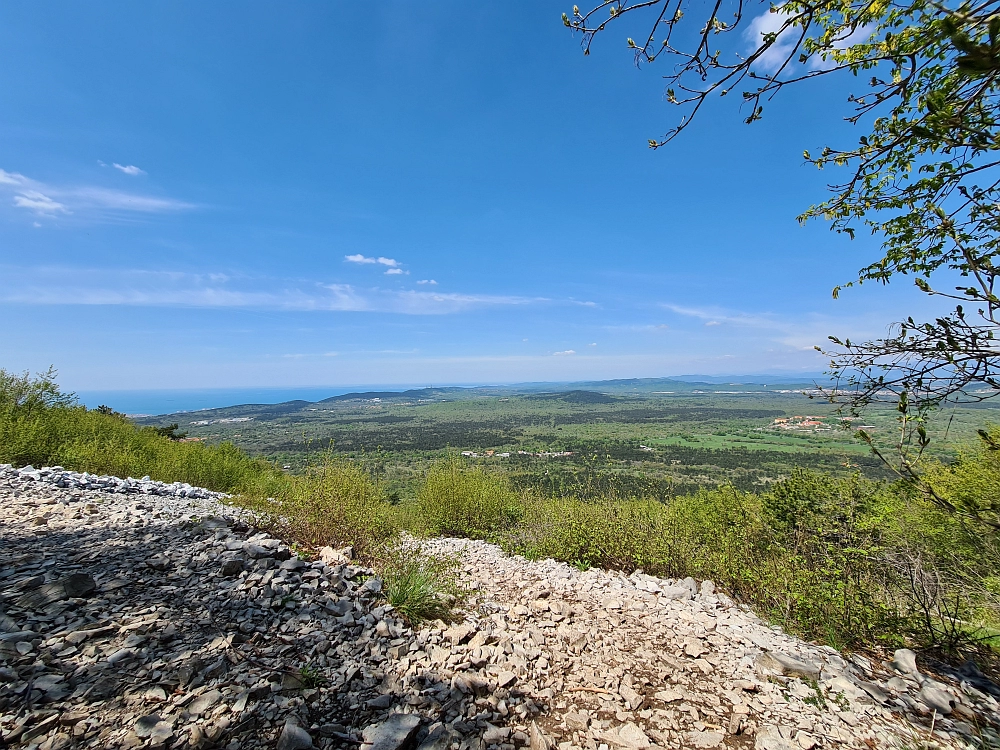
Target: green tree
923	176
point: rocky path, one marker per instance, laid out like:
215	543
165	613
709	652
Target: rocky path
636	661
136	614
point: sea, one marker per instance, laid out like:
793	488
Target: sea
171	401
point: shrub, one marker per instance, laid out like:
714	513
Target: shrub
40	425
337	504
455	501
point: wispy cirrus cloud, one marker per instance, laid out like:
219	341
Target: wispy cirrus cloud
39	203
802	331
49	200
138	288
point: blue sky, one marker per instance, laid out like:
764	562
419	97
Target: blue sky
259	194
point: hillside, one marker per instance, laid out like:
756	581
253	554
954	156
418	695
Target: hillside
149	618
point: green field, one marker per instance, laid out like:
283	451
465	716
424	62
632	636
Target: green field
654	438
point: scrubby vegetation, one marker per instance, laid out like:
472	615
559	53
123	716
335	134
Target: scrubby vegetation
336	503
846	560
420	587
459	501
40	425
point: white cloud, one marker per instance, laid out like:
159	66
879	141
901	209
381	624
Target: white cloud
428	281
12	178
771	22
73	286
858	36
38	202
359	258
131	169
82	200
713	323
396	272
563	354
594	344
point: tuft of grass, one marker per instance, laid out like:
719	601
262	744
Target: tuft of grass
419	586
311	676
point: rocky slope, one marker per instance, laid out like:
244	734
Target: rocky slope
137	614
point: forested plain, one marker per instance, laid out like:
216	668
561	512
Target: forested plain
635	438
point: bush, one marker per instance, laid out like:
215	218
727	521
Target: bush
335	504
40	425
455	501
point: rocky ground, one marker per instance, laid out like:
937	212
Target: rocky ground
136	614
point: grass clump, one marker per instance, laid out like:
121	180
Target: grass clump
419	586
455	501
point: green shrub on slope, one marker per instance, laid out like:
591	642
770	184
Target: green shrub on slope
39	425
336	504
455	501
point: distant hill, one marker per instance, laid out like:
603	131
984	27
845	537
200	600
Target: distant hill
416	393
576	397
581	392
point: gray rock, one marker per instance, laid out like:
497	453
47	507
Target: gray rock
159	562
632	737
495	735
676	592
122	654
538	740
204	703
577	721
773	661
704	739
79	585
936	699
769	738
874	691
232	568
144	725
256	551
294	737
439	737
506	679
630	696
162	733
391	734
905	661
